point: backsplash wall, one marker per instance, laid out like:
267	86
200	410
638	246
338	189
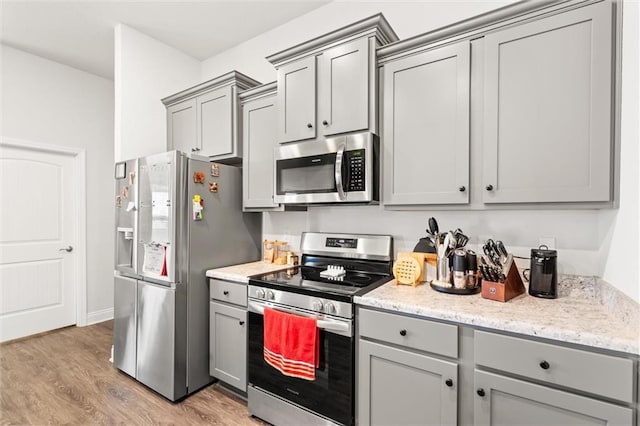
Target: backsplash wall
575	231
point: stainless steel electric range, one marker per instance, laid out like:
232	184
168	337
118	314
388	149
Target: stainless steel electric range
334	268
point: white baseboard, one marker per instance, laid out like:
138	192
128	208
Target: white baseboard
99	316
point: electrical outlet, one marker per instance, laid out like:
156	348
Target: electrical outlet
547	241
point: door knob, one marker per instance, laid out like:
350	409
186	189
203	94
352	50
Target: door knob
489	188
449	382
325	123
309	125
462	189
68	249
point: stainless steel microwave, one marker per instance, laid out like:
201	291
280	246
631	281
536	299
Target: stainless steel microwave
342	169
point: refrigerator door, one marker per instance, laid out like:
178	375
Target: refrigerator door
159	216
124	324
162	349
126	210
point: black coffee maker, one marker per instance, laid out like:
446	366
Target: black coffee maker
543	280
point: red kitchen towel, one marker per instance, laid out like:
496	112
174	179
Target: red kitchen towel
291	344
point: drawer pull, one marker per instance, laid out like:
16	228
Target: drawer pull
544	365
448	382
480	392
241	322
403	332
226	292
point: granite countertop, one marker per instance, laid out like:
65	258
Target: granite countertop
579	315
241	273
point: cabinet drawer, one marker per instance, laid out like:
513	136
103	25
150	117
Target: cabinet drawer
229	292
413	333
599	374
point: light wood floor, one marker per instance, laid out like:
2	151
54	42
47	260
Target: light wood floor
65	377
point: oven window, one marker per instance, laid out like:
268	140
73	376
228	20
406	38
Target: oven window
304	175
330	394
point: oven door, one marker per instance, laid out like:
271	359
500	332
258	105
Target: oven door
331	394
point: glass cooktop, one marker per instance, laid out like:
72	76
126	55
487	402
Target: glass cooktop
307	280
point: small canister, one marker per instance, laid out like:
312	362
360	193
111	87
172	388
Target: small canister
543	281
460	268
472	269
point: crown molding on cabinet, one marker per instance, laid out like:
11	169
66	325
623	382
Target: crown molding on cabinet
478	25
241	81
376	25
258	92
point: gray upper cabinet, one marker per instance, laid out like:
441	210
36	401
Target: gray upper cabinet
204	119
297	100
180	129
426	127
259	139
505	401
548	109
215	129
327	86
343	88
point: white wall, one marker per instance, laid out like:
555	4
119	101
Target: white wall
589	242
620	249
146	71
407	18
51	103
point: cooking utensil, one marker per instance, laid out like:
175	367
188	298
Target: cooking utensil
433	226
502	251
491	250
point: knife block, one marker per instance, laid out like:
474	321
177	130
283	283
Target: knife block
502	292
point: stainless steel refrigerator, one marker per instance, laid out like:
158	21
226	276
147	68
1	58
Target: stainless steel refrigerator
176	217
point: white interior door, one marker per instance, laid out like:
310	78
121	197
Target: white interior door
38	220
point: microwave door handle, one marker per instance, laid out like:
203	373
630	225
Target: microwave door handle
338	172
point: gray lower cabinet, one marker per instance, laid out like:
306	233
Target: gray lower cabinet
548	109
259	139
400	387
228	333
426	127
504	401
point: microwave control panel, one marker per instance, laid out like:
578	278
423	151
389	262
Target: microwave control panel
356	170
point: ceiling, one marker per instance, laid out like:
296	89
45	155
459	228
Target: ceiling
81	33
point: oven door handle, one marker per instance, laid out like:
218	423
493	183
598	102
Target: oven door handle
338	172
330	325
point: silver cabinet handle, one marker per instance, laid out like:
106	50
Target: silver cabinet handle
68	249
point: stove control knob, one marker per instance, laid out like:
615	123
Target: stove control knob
270	295
260	293
330	308
317	306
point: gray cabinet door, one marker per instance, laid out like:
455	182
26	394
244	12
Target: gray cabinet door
398	387
547	125
181	126
297	100
228	345
343	88
426	127
259	140
502	401
214	122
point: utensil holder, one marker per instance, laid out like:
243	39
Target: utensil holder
443	273
502	292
